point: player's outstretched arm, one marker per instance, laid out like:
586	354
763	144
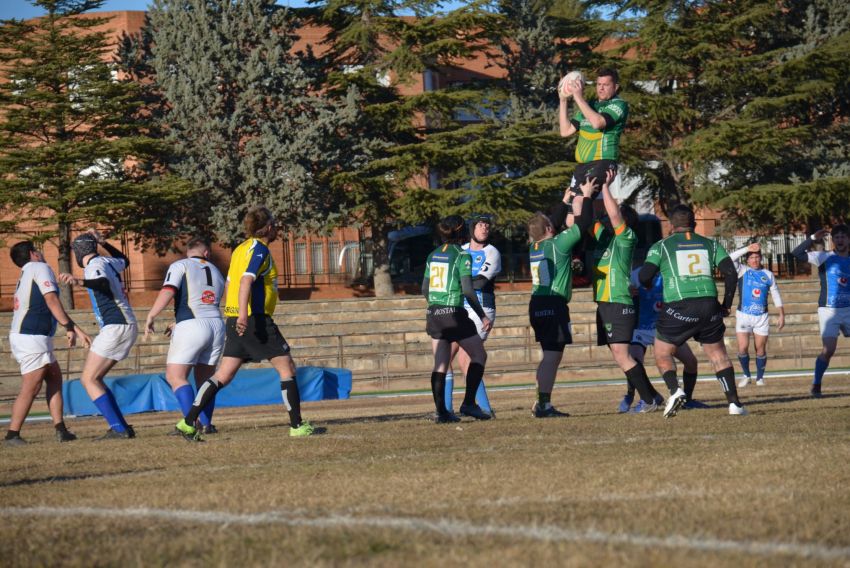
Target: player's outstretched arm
612	209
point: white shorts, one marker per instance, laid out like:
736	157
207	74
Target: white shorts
834	320
115	341
749	323
643	337
491	315
196	341
32	352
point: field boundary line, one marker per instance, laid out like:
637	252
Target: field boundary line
445	527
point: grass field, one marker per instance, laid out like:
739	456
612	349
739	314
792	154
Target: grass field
383	486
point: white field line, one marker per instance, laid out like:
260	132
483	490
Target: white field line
578	384
446	528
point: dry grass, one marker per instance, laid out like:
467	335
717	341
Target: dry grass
383	486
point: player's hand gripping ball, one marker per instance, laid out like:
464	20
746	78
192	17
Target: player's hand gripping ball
570	77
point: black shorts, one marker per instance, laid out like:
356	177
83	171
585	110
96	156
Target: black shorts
596	169
699	318
262	339
615	323
450	323
550	319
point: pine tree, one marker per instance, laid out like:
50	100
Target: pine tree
71	152
242	111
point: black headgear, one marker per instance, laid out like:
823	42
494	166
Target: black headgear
83	246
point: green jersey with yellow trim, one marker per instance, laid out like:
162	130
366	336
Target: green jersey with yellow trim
602	144
551	264
687	262
446	265
612	263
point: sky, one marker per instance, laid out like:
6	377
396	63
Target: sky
22	9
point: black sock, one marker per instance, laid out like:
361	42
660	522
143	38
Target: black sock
690	380
637	377
727	381
474	374
671	381
630	388
292	401
10	434
438	389
205	394
61	427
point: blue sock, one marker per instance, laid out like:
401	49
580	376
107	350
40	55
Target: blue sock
185	395
110	411
206	414
820	368
761	363
450	387
745	363
481	398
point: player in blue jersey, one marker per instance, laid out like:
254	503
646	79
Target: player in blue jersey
102	277
197	338
754	282
486	265
834	299
37	310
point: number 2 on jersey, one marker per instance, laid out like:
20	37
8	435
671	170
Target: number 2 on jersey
693	263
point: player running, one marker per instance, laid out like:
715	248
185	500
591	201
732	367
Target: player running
834	299
550	260
197	338
118	330
250	331
37	309
754	282
687	262
486	265
447	281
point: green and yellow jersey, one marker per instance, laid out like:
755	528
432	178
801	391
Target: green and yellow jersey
602	144
612	263
552	264
445	267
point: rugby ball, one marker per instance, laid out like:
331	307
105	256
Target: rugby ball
569	77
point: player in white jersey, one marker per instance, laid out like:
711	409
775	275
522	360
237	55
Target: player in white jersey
102	277
754	281
37	310
197	338
486	265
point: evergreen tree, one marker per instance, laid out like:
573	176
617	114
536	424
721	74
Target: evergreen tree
372	54
71	152
242	111
740	106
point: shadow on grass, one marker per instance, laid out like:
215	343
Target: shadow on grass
77	477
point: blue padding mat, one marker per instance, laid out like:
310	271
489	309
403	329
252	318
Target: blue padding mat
251	387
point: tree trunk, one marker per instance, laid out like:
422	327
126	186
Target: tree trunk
66	292
381	263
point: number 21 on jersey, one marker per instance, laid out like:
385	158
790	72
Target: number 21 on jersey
438	277
693	263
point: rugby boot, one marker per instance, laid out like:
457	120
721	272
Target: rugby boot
674	403
189	433
304	430
474	411
815	392
111	434
737	409
625	404
445	418
65	436
547	411
15	441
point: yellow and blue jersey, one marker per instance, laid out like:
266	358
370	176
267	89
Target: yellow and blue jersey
252	258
